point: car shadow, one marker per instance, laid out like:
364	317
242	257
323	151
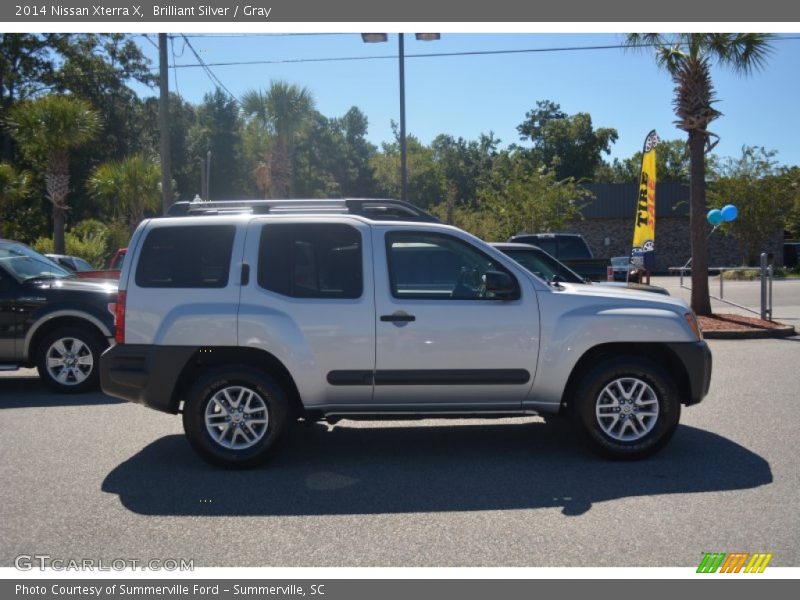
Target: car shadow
32	392
388	469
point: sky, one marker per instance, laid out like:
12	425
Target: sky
469	95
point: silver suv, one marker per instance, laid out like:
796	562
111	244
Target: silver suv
247	316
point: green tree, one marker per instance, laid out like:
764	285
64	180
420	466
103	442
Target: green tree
793	218
182	118
283	111
217	130
464	165
672	164
520	195
26	69
130	187
426	186
761	191
47	129
15	189
88	240
97	68
568	144
688	58
333	157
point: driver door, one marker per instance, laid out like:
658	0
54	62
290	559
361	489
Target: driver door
441	339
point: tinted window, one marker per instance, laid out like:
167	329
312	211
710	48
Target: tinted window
423	265
311	260
186	257
82	265
546	244
541	264
571	247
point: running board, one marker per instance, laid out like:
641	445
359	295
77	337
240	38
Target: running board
9	367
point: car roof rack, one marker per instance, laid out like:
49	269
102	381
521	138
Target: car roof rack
373	209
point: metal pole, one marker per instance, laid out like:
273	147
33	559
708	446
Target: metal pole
763	286
163	123
721	279
403	165
208	175
769	304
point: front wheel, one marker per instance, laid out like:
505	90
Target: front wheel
234	415
626	407
68	359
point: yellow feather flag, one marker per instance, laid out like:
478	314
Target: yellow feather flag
644	231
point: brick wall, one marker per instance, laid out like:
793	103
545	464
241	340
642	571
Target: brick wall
673	246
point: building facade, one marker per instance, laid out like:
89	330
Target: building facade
607	226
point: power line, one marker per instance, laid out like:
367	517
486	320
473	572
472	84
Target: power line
214	79
174	69
240	35
147	37
425	55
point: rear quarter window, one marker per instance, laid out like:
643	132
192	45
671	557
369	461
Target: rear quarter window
186	257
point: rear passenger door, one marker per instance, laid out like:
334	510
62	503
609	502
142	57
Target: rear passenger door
309	301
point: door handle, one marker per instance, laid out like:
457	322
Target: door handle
398	317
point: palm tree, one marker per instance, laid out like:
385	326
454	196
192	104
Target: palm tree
132	186
47	129
283	110
688	57
15	186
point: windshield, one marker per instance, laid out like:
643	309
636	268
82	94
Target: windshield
82	265
542	264
24	263
620	261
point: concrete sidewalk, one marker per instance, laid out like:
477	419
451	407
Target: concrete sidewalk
785	296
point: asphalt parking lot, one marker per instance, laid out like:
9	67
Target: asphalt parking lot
90	477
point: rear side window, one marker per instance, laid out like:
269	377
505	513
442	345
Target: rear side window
186	257
311	260
546	244
572	247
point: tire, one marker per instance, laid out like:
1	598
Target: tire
68	359
234	415
630	389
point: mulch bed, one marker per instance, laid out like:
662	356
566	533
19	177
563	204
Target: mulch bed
729	322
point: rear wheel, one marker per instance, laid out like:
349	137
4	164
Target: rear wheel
68	359
626	407
234	415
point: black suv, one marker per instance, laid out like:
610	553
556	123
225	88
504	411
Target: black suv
51	320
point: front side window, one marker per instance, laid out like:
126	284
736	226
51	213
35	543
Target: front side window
437	266
198	256
311	260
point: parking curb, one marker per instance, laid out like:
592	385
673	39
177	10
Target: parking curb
750	334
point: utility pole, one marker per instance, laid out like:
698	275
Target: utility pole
163	123
403	163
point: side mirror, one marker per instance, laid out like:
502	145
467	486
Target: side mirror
500	284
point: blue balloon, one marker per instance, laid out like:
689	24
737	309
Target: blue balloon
729	213
714	217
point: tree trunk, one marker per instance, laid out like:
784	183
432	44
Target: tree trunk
56	181
59	220
701	303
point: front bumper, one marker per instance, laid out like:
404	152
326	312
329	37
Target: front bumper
697	362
